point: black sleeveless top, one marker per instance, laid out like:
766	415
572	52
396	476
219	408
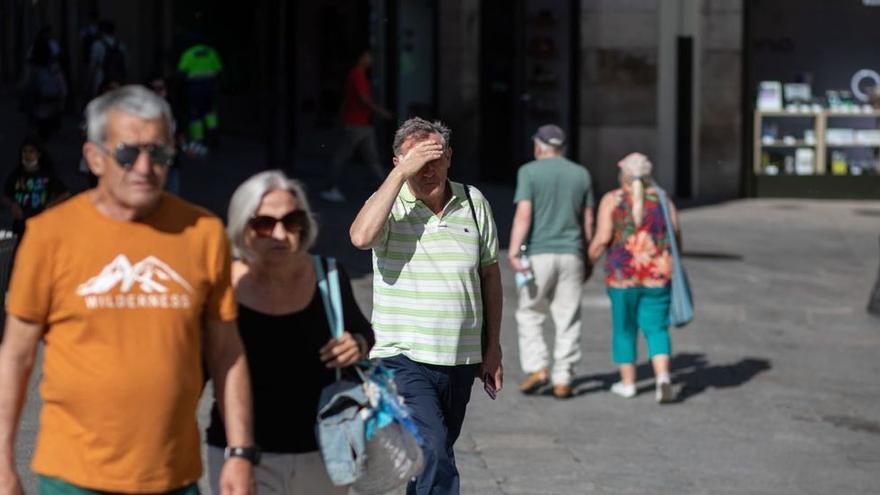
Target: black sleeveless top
287	374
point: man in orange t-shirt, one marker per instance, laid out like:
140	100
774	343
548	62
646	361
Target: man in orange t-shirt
358	134
127	287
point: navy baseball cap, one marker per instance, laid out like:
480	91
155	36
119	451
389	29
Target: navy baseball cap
550	134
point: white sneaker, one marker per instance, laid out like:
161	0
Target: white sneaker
333	195
663	392
627	391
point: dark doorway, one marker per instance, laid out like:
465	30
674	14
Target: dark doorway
528	78
499	90
342	37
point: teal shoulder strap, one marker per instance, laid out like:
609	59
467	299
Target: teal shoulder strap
670	229
328	285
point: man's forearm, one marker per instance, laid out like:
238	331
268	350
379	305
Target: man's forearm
518	235
373	215
588	226
232	387
596	249
494	300
14	374
376	108
238	416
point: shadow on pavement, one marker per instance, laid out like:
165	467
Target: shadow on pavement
695	375
867	212
706	255
692	374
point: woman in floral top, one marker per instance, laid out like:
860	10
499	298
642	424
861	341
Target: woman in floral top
638	267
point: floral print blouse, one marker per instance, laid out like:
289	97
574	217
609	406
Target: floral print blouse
638	256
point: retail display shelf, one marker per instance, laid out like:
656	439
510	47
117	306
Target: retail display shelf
784	113
873	114
780	144
851	145
822	138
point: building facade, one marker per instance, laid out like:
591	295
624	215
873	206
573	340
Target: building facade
675	79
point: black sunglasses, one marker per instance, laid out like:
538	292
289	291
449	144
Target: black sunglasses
264	225
127	154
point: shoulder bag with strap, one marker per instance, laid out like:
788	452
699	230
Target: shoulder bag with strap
340	425
365	433
681	306
484	335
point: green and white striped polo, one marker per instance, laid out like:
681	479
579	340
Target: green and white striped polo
426	284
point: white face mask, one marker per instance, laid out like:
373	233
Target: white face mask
30	165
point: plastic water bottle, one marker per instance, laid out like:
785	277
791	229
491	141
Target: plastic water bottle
524	278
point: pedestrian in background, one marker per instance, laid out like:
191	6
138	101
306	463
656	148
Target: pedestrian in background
358	134
108	60
435	283
554	218
638	267
45	39
44	87
286	336
33	185
200	65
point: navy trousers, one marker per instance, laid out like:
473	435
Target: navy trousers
438	398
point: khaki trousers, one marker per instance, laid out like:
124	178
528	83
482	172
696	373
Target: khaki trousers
558	284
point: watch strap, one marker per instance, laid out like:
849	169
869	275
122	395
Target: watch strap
251	454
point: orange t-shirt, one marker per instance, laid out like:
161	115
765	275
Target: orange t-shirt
123	304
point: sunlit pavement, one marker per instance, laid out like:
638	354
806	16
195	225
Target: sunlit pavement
776	380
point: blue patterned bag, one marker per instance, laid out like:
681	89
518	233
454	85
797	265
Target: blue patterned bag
681	306
365	432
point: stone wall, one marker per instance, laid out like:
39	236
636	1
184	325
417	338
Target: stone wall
618	79
720	156
620	67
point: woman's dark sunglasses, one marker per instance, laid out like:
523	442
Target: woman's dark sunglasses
264	225
127	154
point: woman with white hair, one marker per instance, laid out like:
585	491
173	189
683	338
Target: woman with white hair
287	339
632	228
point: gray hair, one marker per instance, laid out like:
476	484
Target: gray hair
246	201
420	128
549	148
132	99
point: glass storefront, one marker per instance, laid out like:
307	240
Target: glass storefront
814	80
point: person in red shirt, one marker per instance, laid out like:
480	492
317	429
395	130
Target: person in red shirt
358	134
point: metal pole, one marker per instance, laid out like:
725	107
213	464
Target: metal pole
874	301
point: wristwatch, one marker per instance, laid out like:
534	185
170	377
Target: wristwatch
251	454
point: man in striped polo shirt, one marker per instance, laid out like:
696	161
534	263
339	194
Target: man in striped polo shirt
435	268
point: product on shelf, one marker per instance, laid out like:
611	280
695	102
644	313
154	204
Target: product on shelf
804	161
835	136
838	163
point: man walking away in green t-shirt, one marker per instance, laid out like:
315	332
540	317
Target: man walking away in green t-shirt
554	219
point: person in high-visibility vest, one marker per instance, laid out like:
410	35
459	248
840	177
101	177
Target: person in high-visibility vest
201	66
